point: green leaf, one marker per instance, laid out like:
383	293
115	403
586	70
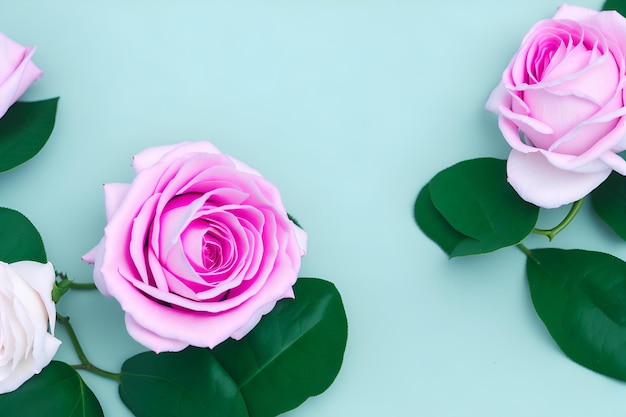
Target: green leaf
469	208
58	391
581	298
618	5
295	351
24	130
437	228
609	202
190	383
19	239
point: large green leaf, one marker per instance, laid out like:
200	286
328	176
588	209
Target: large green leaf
609	202
618	5
190	383
469	208
437	228
19	239
295	351
581	298
58	391
24	130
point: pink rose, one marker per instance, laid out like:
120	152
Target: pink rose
197	248
560	106
17	71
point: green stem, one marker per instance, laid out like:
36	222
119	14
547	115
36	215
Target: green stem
551	233
83	286
84	362
526	251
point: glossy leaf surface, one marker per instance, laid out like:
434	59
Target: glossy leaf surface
470	208
581	298
24	130
618	5
436	227
609	202
19	239
190	383
295	352
58	391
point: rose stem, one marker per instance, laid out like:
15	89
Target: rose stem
85	364
83	286
75	285
551	233
525	250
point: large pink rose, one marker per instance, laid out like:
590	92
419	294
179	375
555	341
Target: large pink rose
560	106
17	71
197	248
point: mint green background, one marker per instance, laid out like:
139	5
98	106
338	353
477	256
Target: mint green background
349	107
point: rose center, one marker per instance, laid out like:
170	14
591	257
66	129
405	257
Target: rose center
211	253
217	248
561	48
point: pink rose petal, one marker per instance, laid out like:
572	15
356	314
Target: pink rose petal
114	194
540	183
17	71
561	105
196	248
152	340
577	13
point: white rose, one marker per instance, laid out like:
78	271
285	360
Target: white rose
27	312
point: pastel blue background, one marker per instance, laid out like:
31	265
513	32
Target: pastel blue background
350	107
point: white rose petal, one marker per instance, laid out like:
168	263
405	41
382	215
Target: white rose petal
27	317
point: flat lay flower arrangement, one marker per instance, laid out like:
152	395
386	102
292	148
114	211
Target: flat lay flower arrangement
561	106
202	257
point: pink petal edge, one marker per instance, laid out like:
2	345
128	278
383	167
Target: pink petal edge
576	13
150	156
114	194
542	184
302	238
151	340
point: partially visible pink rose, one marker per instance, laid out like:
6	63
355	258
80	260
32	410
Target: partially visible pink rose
560	106
17	71
197	248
